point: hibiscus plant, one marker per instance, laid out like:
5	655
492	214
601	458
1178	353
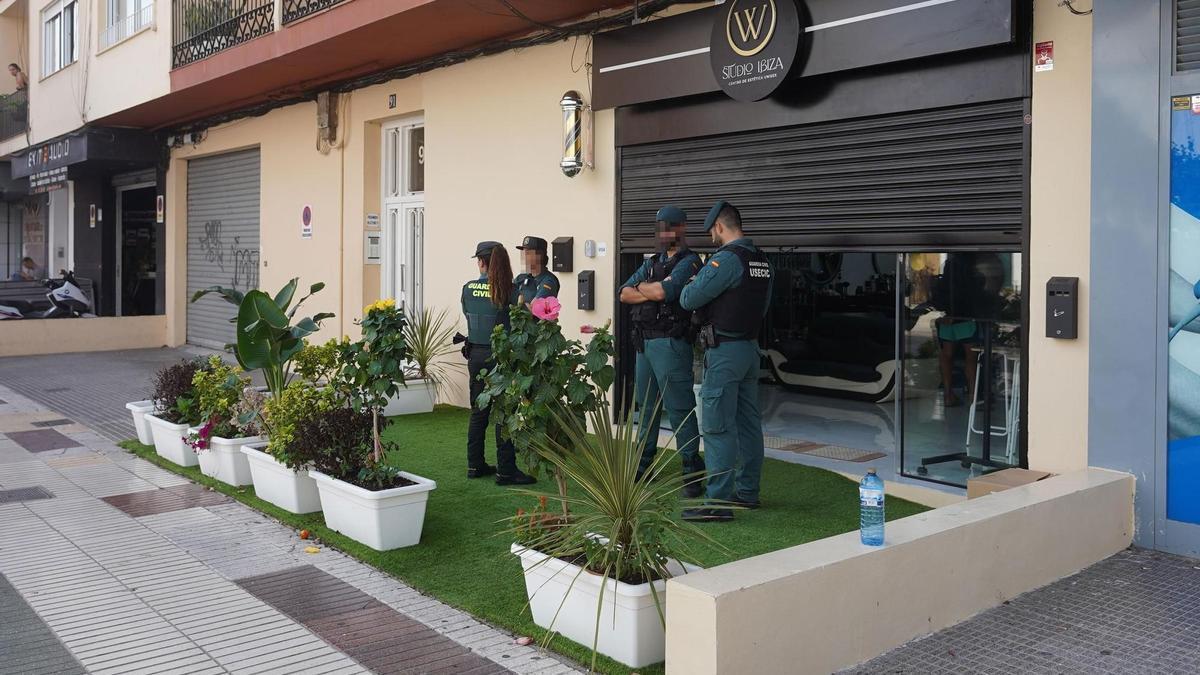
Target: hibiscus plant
539	370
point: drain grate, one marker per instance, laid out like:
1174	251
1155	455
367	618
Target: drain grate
25	494
52	423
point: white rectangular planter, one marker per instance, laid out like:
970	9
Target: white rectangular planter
418	397
636	637
274	482
169	443
383	519
139	410
225	461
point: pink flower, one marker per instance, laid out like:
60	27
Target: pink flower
546	309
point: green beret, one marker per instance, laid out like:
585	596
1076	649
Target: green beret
671	214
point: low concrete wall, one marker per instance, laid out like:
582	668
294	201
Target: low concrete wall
835	603
26	337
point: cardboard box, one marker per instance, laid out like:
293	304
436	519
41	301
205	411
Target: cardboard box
1002	480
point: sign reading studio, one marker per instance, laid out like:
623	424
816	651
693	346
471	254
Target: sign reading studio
754	45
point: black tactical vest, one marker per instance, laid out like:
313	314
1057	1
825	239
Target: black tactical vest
739	310
482	315
663	319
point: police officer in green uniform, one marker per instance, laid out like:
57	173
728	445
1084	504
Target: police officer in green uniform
662	336
485	302
537	281
730	296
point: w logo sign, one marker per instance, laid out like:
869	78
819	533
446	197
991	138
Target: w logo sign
750	25
747	26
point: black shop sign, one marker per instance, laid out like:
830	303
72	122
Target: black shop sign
754	46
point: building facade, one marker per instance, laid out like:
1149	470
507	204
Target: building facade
918	172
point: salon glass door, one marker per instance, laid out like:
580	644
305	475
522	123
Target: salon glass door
962	363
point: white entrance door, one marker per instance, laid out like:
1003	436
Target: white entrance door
404	205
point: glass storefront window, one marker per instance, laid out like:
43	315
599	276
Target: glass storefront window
961	364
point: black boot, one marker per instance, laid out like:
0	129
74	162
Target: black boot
515	478
694	488
480	471
707	515
741	501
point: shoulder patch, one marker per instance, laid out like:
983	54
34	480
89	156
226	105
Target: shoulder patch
714	263
546	286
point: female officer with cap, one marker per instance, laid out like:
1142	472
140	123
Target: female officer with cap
536	281
485	302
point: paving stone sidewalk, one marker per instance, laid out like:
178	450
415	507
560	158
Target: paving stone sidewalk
109	564
1137	612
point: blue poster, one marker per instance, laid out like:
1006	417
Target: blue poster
1183	414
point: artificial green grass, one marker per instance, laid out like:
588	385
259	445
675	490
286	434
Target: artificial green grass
462	561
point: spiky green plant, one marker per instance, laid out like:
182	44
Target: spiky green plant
430	338
620	526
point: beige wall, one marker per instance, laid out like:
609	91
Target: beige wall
834	603
99	83
493	131
63	336
1060	213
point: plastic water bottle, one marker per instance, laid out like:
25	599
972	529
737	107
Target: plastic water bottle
870	503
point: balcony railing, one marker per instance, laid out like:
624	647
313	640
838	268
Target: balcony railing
124	26
204	27
294	10
14	114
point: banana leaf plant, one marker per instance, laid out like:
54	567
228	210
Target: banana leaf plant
267	338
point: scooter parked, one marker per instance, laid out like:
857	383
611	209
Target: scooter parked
67	301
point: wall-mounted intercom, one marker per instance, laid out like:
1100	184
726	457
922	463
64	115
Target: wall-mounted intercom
1062	308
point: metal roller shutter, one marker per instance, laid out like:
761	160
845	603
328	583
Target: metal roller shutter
222	239
1187	35
931	178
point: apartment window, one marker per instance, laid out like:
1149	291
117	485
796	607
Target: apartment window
125	18
59	40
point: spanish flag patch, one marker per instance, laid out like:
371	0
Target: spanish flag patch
546	286
715	263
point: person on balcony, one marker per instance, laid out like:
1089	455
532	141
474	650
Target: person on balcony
20	76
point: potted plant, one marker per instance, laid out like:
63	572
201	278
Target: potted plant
363	495
230	410
175	411
536	369
598	575
266	338
428	373
279	466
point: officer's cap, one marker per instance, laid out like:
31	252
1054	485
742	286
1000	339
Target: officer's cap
484	249
710	221
671	214
533	243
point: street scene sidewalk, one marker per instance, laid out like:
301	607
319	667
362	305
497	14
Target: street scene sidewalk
112	565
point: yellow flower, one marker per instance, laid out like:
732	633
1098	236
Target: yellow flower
386	305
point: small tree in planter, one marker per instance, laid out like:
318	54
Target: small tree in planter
537	369
364	496
621	529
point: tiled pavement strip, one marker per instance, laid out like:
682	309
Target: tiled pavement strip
167	592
